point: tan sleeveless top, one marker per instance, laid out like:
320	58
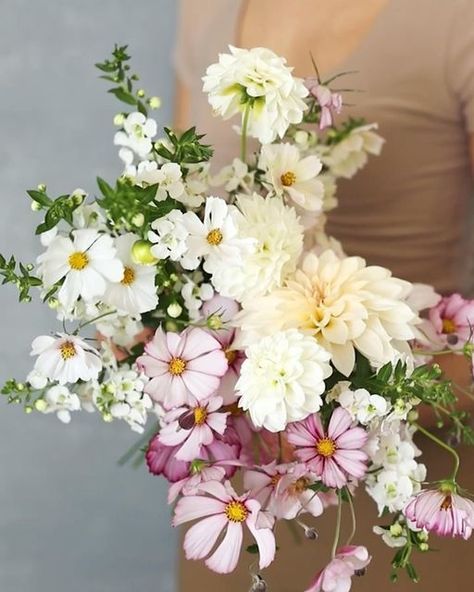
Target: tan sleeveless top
409	208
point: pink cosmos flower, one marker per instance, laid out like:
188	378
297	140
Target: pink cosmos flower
201	473
441	511
335	456
191	428
284	489
221	509
329	102
219	311
161	460
336	576
453	320
182	364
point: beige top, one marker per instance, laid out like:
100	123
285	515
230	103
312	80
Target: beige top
409	208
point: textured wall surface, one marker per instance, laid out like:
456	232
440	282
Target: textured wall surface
70	518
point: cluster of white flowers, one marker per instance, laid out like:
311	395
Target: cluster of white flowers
363	406
394	474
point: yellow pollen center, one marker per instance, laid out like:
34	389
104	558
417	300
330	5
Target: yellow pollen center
298	486
449	326
447	503
200	415
128	276
236	511
78	261
326	447
230	355
67	350
274	480
214	237
176	366
288	179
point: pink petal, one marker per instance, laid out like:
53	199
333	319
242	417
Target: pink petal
332	476
191	448
216	489
352	461
193	507
152	367
158	346
176	343
264	537
201	537
225	557
340	422
354	438
198	343
199	384
218	422
213	362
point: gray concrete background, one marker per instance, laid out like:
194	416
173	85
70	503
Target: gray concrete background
71	520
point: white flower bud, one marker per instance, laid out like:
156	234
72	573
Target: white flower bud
155	102
119	119
174	310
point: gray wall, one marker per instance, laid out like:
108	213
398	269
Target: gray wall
70	518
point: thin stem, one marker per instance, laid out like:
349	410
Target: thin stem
353	517
338	526
243	137
82	325
443	445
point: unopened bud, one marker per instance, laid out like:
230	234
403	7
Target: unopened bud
214	322
41	187
35	206
424	547
138	220
396	529
141	253
119	119
140	93
53	303
174	310
171	326
155	102
28	409
41	405
107	417
20	386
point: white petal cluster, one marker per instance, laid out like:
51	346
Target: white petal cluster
291	176
135	138
259	78
194	293
169	236
168	177
345	305
349	155
278	237
282	379
394	475
60	400
235	177
363	406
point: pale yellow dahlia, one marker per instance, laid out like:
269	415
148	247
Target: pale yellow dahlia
344	304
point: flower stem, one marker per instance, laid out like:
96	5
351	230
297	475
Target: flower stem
82	325
338	525
353	517
443	445
243	137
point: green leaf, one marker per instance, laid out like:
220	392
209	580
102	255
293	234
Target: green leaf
105	188
39	197
123	95
253	549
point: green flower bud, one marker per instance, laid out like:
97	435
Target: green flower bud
215	322
140	93
138	220
155	102
119	119
35	206
396	530
174	310
41	187
141	253
107	417
28	409
40	405
171	326
424	547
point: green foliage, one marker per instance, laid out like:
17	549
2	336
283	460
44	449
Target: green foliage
22	277
337	134
126	203
117	70
184	149
60	208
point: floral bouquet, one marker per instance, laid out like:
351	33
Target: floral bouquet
214	307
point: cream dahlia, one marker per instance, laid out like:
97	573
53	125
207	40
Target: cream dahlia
345	305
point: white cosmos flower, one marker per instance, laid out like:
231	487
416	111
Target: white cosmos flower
136	137
216	238
169	236
87	262
136	291
279	243
349	155
168	177
282	379
66	358
260	78
345	305
293	177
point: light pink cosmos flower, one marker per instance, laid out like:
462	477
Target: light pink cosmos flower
219	311
453	320
190	485
330	102
441	511
220	509
336	576
161	460
192	427
335	456
182	364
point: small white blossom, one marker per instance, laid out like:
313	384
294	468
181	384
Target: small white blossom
61	401
194	294
362	405
136	137
235	176
169	237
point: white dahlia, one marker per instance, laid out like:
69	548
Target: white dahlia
136	291
279	242
261	80
345	305
282	379
293	177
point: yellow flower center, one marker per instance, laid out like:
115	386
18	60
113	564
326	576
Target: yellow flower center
214	237
298	486
176	366
230	355
236	511
67	350
447	503
449	326
78	261
128	276
326	447
288	179
200	415
274	480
